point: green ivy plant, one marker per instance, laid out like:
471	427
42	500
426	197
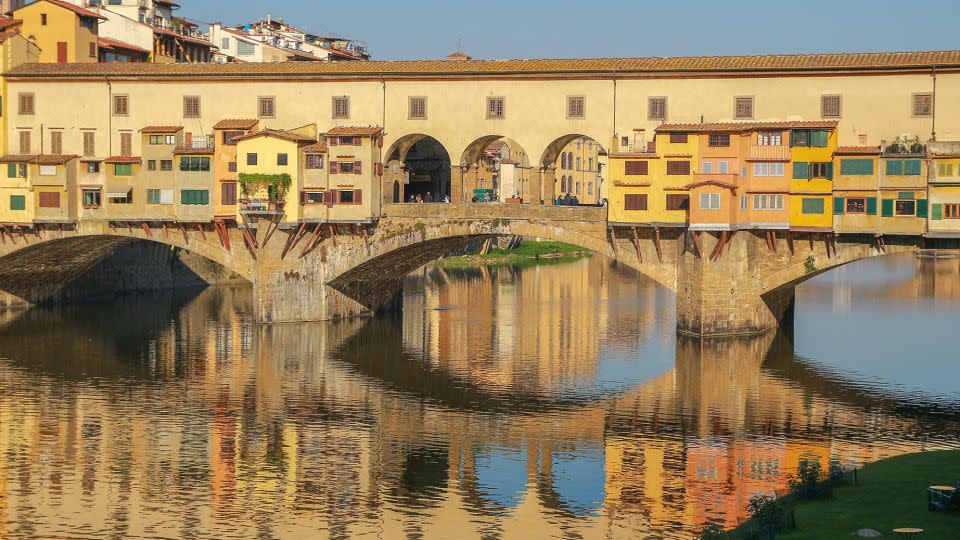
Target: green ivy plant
280	183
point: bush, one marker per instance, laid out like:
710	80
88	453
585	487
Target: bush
767	512
835	472
711	531
806	483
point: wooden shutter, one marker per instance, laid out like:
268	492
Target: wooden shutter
89	148
829	170
894	167
678	168
303	198
56	143
328	197
636	168
24	142
126	144
871	206
333	141
357	196
937	212
357	167
228	193
379	168
333	167
801	170
911	167
922	207
121	105
886	208
334	197
838	203
49	199
635	201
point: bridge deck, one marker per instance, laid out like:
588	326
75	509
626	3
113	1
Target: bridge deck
592	214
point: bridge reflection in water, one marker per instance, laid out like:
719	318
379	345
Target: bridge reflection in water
547	401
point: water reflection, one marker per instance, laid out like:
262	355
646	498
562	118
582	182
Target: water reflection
552	401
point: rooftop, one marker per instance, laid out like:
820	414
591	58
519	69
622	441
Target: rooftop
354	131
113	44
67	5
160	129
236	123
920	60
739	127
280	134
319	147
42	159
857	150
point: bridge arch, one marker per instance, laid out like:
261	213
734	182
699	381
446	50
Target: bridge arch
579	163
417	165
500	164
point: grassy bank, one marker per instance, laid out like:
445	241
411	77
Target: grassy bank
891	494
527	253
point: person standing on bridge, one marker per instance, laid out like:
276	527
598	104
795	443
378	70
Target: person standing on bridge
428	198
559	200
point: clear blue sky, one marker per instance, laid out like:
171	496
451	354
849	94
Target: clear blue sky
492	29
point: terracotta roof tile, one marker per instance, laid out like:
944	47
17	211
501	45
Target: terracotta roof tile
160	129
18	158
354	131
652	65
236	123
107	43
184	151
738	127
7	23
76	9
278	133
122	159
319	147
54	159
710	183
857	150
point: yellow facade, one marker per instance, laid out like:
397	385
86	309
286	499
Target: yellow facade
811	191
17	205
260	155
944	190
655	183
856	190
904	207
14	51
64	34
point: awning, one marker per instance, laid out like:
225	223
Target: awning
118	192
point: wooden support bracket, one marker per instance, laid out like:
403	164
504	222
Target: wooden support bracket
146	229
203	235
636	244
790	241
293	239
656	241
317	235
186	237
251	241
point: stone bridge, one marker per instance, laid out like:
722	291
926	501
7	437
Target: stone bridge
726	283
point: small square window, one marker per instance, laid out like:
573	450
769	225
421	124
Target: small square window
267	107
191	106
26	104
152	165
418	108
576	107
830	106
743	107
657	108
719	140
923	105
281	159
251	159
496	108
121	105
340	107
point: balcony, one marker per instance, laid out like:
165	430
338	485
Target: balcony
769	153
261	206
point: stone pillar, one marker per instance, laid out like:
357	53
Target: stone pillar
457	174
548	178
536	181
724	297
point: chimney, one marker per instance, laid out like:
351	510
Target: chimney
269	18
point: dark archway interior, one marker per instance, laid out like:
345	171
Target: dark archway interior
425	172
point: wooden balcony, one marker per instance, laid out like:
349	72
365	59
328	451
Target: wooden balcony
261	206
769	153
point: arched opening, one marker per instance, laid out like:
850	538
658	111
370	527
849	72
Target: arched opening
417	170
497	169
580	164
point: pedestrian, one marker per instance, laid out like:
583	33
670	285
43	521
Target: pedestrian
446	199
559	200
575	201
413	198
429	198
567	200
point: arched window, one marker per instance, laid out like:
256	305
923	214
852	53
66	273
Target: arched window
563	160
569	160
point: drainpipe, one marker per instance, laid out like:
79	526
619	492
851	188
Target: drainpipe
933	104
109	116
616	143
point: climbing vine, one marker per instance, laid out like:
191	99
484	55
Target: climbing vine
280	183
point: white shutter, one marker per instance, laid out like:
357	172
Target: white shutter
48	170
166	196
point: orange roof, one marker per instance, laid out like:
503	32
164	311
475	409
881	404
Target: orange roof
236	123
319	147
7	23
18	158
171	33
919	61
122	159
710	183
857	150
66	5
161	129
183	150
107	43
53	159
739	127
278	133
354	131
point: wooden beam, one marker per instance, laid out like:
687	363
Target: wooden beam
61	230
225	239
250	240
272	228
613	242
790	241
773	240
656	241
718	249
317	233
636	244
186	237
146	229
293	239
696	244
203	235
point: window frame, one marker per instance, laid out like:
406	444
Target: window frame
719	137
914	101
897	205
640	201
496	107
421	102
576	107
187	113
664	104
30	98
815	201
335	112
261	100
126	104
823	105
713	201
766	138
848	200
746	99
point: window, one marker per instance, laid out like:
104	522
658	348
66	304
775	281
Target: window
89	143
18	202
314	161
770	138
27	104
903	167
152	165
657	108
811	206
944	170
93	49
191	106
576	107
311	197
194	164
43	19
345	167
153	196
821	170
166	164
93	167
678	138
950	211
228	194
767	169
706	167
125	199
723	167
266	107
121	105
24	142
709	201
579	162
743	107
744	201
91	198
768	201
340	107
281	159
923	105
856	206
418	108
16	170
830	106
348	141
678	168
345	197
495	108
856	166
123	169
225	43
251	159
799	137
194	197
719	140
625	141
232	166
634	202
56	143
806	137
905	207
678	202
245	48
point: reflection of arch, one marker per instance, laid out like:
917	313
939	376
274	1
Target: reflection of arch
497	480
422	166
573	482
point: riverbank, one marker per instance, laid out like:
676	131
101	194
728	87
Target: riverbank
890	494
529	252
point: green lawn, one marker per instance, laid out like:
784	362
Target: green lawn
891	494
527	253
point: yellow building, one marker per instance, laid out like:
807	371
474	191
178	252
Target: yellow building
195	184
856	189
155	187
15	49
38	190
580	170
225	162
64	32
944	187
648	182
268	173
122	201
903	190
811	191
355	172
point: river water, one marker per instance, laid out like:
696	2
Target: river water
545	402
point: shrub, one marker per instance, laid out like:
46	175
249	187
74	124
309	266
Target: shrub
835	472
767	512
711	531
806	483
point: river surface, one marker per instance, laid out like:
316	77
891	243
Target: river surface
545	402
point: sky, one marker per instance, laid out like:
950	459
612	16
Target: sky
499	29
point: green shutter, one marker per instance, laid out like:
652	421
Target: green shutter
886	208
204	196
937	211
830	171
905	195
819	139
11	170
794	137
18	202
205	164
921	208
895	167
186	196
856	167
911	167
871	206
838	206
801	170
811	206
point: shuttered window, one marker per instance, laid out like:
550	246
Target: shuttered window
48	199
678	138
266	107
922	105
858	205
314	161
89	144
121	105
251	158
18	202
26	104
24	142
340	107
636	168
635	201
126	144
678	202
912	167
191	106
743	107
123	169
812	206
192	197
801	170
830	106
56	143
678	168
856	167
228	193
418	108
244	48
719	140
871	206
657	108
496	108
576	107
